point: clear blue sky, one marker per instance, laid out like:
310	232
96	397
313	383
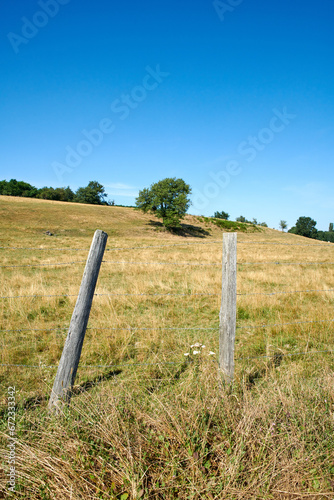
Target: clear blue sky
236	98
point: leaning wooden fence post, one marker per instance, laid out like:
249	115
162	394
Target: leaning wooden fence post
69	361
228	309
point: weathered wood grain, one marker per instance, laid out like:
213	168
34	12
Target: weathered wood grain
69	361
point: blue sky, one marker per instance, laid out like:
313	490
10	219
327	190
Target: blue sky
236	97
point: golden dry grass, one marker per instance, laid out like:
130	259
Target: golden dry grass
159	430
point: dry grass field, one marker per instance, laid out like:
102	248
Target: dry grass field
146	422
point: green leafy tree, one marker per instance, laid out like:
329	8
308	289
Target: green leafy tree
167	199
241	218
283	224
46	193
221	215
93	194
17	188
67	194
326	236
331	229
305	226
64	194
57	194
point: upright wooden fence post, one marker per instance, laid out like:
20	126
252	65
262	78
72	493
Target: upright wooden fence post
228	309
69	361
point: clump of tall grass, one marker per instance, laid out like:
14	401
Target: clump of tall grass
173	433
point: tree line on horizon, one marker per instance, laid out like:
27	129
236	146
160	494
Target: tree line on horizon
305	226
224	215
93	194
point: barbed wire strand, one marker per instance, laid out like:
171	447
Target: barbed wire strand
116	365
286	292
115	295
212	263
284	263
114	262
168	294
37	295
118	248
46	249
164	263
48	264
136	328
242	242
324	244
167	263
285	354
128	328
290	323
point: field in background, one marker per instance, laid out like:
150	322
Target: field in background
157	425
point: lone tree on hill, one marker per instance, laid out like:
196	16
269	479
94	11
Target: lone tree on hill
283	224
167	199
94	194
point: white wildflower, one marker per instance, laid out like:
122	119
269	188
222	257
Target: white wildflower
196	352
186	354
211	353
203	346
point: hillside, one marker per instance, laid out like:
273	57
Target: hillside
146	421
30	216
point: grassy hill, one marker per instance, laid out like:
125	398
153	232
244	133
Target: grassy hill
146	421
28	217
